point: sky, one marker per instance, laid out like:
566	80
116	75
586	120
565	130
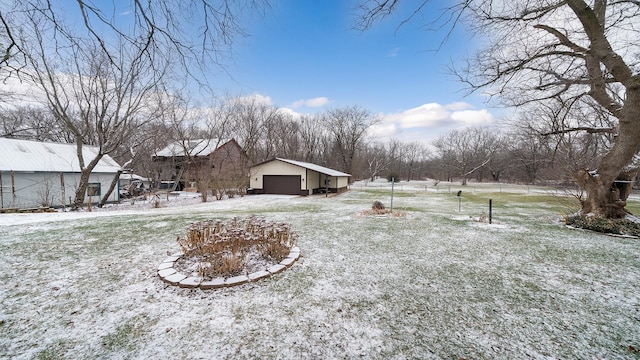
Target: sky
306	56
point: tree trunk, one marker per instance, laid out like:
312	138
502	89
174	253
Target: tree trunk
608	187
78	201
114	182
81	191
606	198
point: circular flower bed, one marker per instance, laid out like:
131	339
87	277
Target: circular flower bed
218	254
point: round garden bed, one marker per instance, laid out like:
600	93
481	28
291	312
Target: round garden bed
218	254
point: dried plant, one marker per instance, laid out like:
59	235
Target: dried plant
221	248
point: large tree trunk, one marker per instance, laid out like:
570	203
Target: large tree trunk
606	198
609	186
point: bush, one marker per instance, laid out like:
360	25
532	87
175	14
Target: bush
393	177
224	248
604	225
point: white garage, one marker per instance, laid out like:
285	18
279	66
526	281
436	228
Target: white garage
291	177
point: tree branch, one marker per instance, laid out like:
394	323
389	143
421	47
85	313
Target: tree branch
589	130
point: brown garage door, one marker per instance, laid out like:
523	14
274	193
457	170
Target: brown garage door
281	184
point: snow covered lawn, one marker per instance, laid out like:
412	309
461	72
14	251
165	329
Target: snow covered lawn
433	284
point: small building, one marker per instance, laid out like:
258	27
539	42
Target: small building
290	177
36	174
214	163
133	185
127	180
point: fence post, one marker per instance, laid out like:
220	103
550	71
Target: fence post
393	181
490	210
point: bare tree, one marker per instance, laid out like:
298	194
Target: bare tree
381	157
465	151
252	120
413	154
546	137
348	127
528	153
193	34
312	138
98	100
32	123
284	137
563	49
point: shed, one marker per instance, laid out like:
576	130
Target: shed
133	185
127	179
36	173
290	177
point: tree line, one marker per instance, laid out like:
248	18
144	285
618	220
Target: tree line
340	139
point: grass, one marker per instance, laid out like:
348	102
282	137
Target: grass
124	337
432	284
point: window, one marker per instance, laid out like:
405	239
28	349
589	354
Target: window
93	189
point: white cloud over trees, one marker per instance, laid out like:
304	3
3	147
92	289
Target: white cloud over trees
313	102
434	115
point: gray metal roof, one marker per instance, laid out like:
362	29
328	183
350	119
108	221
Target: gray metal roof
25	155
196	147
314	167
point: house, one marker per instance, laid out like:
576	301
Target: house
282	176
36	174
205	163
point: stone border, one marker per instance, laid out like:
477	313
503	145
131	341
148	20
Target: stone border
168	274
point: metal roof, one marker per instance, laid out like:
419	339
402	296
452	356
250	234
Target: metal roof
133	177
314	167
197	147
32	156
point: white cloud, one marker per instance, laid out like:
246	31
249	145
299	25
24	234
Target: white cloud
313	102
427	115
457	106
294	114
258	98
472	117
434	115
383	130
426	122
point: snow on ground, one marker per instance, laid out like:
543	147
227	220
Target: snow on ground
436	283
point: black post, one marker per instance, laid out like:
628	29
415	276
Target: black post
393	181
490	210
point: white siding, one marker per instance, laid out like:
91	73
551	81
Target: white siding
33	189
276	168
343	182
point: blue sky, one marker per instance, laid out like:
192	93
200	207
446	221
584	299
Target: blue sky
306	56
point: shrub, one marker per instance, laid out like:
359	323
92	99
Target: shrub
604	225
225	248
393	177
378	206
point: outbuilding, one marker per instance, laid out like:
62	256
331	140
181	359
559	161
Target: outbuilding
34	174
290	177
